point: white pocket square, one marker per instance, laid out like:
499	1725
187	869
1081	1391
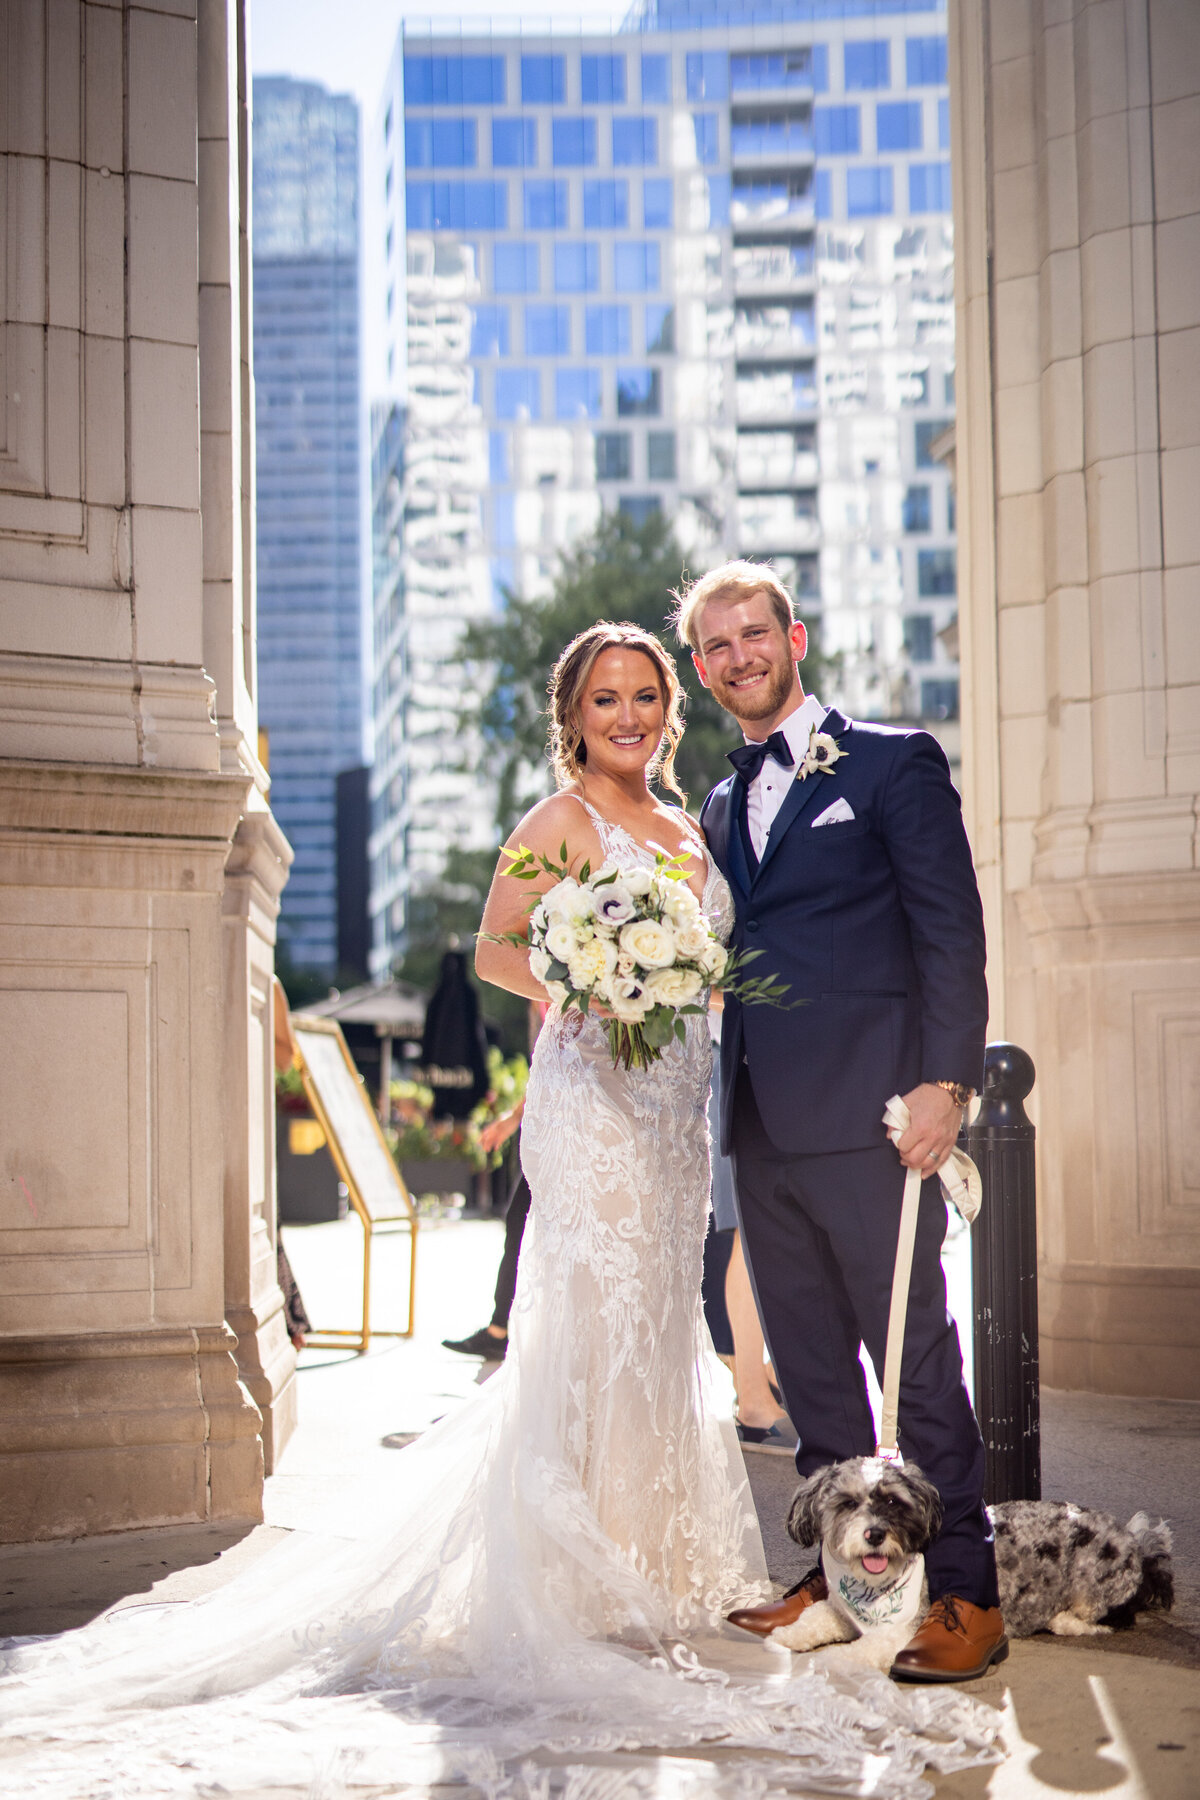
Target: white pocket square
837	814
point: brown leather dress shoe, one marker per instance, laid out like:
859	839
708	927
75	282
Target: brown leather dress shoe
956	1641
763	1620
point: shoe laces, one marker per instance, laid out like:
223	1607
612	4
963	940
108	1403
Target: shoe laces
945	1610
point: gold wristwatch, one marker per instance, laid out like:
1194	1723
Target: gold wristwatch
960	1093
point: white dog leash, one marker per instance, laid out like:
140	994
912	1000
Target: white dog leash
961	1185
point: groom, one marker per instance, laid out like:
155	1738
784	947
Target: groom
844	846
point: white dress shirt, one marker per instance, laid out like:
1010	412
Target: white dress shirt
768	791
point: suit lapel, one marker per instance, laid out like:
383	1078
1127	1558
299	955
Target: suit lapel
724	837
801	795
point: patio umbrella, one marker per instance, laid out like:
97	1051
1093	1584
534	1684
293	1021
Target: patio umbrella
454	1049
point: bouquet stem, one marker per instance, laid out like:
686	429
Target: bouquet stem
628	1046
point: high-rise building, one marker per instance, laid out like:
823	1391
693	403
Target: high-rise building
702	264
306	371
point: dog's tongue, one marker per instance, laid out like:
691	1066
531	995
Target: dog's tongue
875	1565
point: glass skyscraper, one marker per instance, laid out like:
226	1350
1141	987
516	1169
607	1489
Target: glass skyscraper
306	373
704	264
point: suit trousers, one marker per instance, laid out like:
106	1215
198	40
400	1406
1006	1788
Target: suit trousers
820	1235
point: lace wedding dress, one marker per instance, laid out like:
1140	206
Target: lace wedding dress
551	1580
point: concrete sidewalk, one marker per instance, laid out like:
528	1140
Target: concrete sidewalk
1119	1714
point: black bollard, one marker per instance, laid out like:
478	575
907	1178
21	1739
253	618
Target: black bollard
1000	1141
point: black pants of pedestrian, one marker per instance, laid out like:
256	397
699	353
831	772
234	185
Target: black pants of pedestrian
820	1236
514	1231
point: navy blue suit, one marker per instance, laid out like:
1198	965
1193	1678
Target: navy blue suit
875	922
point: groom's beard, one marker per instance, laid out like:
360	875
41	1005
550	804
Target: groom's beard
748	707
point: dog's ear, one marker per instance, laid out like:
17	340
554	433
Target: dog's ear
803	1520
926	1497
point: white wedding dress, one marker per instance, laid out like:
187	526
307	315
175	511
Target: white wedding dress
550	1580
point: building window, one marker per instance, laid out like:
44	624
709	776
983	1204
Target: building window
635	141
660	330
707	75
605	205
925	432
898	125
782	69
504	527
454	80
602	80
497	457
547	331
440	143
636	268
868	192
925	61
576	268
868	65
823	194
518	393
707	129
658	195
639	393
929	187
577	393
613	459
514	143
720	193
943	124
939	699
660	455
489	331
573	143
457	205
387	124
937	573
951	510
545	205
639	509
543	80
606	331
656	78
836	130
516	269
917	510
918	637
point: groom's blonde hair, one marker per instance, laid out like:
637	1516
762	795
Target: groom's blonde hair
729	581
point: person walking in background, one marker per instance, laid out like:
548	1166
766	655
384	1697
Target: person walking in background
491	1340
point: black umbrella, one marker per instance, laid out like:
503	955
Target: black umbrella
454	1049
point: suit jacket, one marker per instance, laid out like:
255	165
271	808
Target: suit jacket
875	922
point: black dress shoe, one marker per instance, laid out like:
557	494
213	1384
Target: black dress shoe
480	1343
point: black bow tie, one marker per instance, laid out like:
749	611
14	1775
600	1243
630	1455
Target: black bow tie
748	759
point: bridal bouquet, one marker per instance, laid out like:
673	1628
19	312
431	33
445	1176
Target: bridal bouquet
636	942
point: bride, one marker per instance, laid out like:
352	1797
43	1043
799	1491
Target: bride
550	1577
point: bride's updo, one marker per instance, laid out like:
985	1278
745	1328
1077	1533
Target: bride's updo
569	677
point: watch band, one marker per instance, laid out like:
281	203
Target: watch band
961	1094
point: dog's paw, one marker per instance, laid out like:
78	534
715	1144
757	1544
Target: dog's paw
817	1625
1069	1624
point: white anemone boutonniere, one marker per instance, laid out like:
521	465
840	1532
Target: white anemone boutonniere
823	751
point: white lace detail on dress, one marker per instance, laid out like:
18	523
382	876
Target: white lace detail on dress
550	1575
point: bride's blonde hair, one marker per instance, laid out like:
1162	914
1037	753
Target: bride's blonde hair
569	677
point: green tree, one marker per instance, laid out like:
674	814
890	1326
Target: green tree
622	571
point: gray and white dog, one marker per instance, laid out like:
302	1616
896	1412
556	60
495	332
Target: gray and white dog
1062	1568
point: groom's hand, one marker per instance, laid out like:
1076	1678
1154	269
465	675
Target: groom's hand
936	1120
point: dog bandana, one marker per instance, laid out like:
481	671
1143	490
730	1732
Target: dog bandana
899	1603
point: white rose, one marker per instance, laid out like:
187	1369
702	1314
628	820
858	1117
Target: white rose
649	943
680	904
712	959
637	881
592	962
557	991
673	987
578	906
562	941
556	899
615	904
625	963
691	938
537	918
539	963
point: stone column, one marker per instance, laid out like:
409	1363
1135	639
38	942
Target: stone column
1076	127
120	1398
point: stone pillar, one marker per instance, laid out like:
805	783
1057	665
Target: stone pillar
120	1398
1076	144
